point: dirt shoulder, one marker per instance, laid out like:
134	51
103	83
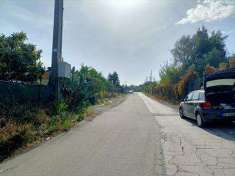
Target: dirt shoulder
96	110
92	112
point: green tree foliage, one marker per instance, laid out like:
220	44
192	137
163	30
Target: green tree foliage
114	82
200	50
169	73
19	60
114	79
191	56
87	86
182	52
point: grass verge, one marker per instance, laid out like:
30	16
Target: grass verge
22	135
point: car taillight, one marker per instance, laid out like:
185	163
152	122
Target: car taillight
206	105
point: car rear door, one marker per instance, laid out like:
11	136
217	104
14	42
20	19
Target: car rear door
194	103
220	88
186	105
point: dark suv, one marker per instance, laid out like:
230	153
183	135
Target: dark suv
215	103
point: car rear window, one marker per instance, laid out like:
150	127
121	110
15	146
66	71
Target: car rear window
220	82
189	96
202	96
196	95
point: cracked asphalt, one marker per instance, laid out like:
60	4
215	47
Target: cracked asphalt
192	151
139	137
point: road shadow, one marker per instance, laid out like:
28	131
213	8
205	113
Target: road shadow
224	130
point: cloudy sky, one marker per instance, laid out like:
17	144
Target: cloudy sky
132	37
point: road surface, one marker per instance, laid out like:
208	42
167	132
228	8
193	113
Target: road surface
189	150
140	137
123	141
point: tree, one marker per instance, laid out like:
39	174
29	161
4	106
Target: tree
210	70
19	60
114	79
194	56
182	52
114	82
200	50
87	86
169	73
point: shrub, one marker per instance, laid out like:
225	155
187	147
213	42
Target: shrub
13	110
13	136
232	62
60	108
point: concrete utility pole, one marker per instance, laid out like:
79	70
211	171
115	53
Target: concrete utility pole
57	47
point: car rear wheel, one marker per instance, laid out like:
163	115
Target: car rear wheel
200	121
181	112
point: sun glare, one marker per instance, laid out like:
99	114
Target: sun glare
124	4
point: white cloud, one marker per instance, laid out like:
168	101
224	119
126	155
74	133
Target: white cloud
209	10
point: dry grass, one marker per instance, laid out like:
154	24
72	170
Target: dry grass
23	134
90	114
15	135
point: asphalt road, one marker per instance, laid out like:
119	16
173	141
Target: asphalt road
189	150
140	137
124	141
